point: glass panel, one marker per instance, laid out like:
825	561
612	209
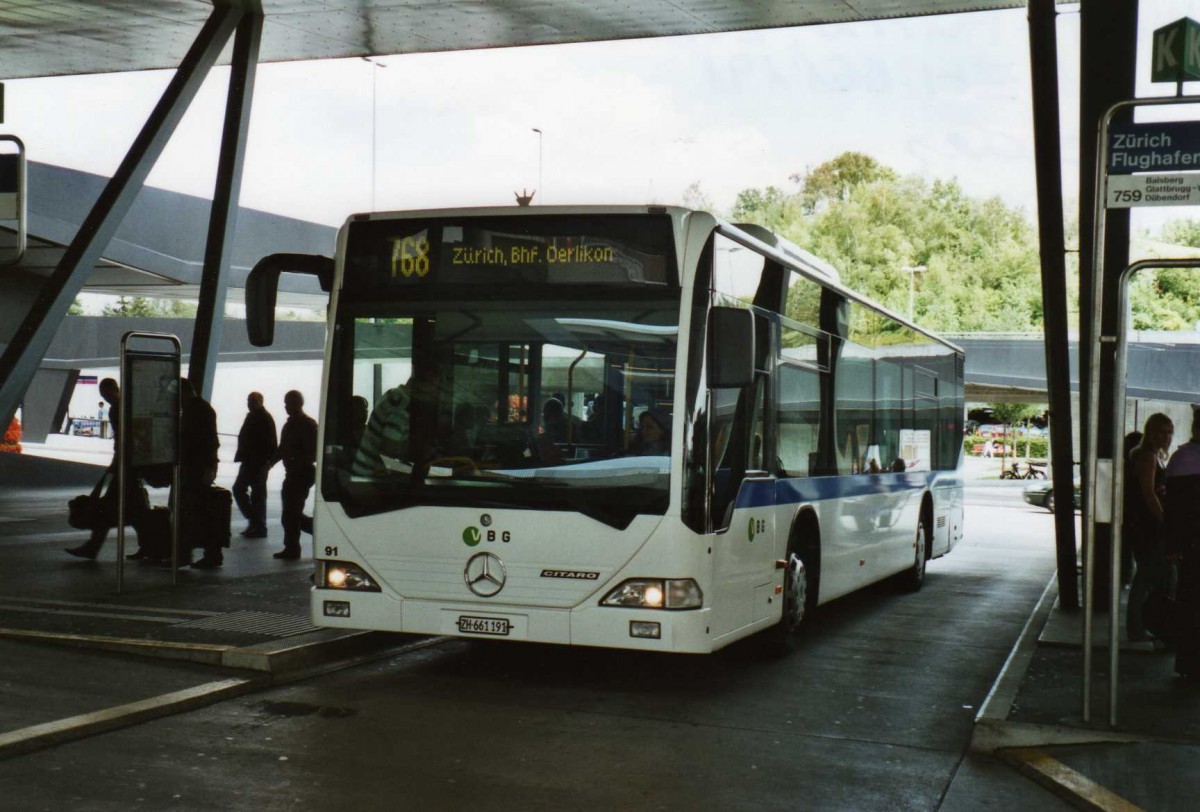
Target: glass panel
803	300
802	346
513	403
889	402
737	270
799	418
854	407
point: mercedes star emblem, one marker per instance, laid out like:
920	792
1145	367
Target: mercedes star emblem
485	574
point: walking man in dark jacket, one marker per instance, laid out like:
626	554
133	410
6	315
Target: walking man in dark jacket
255	451
111	392
298	453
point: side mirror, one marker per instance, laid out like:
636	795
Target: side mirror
262	289
730	348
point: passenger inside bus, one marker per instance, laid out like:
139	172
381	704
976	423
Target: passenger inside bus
386	434
557	427
654	433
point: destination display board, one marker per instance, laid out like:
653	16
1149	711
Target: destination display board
1165	146
527	249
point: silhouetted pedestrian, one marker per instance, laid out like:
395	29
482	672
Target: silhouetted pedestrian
1144	524
111	392
197	472
298	453
256	448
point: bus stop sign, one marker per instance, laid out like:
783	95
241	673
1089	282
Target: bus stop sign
1165	146
1175	56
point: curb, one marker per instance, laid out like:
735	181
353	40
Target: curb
37	737
305	661
1068	784
992	718
276	657
1016	743
202	653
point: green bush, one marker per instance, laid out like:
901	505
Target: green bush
1039	447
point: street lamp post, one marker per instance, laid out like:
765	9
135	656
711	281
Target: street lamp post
539	186
374	120
912	271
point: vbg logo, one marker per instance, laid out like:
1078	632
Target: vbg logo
756	527
471	536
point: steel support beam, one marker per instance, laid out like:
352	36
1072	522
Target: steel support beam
1043	60
1108	47
24	353
222	224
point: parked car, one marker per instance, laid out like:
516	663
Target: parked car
1041	493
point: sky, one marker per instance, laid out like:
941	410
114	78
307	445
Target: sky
622	122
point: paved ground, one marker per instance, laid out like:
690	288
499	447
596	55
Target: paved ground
875	713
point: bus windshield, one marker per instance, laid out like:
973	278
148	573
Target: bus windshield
554	403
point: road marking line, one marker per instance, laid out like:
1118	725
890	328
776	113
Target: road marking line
36	737
61	731
52	610
196	652
107	606
1065	782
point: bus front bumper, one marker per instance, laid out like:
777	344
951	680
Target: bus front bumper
683	631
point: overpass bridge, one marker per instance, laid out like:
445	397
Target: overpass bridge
152	255
1000	367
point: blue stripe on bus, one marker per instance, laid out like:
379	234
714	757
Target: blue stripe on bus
764	492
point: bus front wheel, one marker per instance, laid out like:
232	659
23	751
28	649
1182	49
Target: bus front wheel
780	638
913	578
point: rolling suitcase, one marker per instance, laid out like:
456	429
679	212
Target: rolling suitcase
153	528
220	513
207	517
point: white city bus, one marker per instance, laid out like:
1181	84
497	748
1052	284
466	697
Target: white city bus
635	427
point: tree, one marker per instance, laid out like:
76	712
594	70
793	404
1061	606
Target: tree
1168	298
1010	415
142	307
833	180
981	257
695	198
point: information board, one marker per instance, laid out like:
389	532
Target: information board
1177	189
150	384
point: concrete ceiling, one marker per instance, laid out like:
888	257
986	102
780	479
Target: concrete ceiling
61	37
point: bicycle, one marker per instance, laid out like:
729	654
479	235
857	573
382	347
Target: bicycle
1031	472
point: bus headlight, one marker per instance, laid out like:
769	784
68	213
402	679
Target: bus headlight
343	575
656	593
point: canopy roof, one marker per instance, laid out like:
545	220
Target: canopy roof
61	37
